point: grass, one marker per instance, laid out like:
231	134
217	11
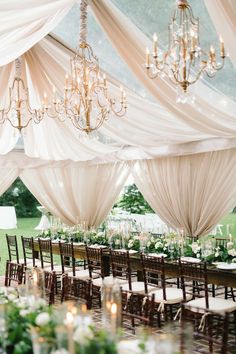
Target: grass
26	227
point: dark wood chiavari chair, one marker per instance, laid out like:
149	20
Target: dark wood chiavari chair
13	252
194	283
210	330
29	252
121	269
97	271
50	280
138	308
14	272
77	289
227	292
167	295
69	263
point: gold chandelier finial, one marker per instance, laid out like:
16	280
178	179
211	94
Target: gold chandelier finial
184	61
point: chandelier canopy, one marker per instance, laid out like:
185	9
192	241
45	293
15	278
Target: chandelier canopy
87	102
184	61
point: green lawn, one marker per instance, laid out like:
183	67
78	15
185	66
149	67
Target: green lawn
26	227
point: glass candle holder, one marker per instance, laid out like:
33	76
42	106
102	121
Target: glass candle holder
111	306
34	282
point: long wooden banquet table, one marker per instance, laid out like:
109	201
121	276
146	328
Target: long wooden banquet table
215	276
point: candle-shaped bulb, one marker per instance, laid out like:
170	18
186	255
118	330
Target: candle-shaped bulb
45	99
155	45
66	80
222	47
212	50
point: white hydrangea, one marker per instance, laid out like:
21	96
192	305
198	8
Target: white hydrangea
42	319
117	241
61	351
158	245
24	312
148	243
230	245
83	334
195	247
130	243
232	252
12	297
100	234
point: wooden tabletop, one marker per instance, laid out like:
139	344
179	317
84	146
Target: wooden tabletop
215	276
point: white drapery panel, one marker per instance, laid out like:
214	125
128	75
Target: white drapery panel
77	193
189	192
24	23
8	176
212	113
223	15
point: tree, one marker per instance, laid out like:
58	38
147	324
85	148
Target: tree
21	198
133	201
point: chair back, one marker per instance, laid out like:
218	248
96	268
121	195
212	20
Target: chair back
50	283
14	272
77	289
137	306
194	280
221	242
12	247
95	261
210	330
121	268
153	270
45	251
28	249
67	256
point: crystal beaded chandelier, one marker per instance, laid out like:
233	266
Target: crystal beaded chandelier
86	100
184	62
18	111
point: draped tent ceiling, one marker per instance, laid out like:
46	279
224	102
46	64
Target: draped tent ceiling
155	126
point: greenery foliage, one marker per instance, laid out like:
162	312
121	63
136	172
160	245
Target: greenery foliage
21	198
133	201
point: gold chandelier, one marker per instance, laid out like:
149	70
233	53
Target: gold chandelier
86	100
184	62
18	111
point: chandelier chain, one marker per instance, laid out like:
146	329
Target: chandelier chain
18	67
83	21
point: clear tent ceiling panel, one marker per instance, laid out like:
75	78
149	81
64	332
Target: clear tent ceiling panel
150	16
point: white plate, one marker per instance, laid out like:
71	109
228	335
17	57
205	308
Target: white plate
158	255
78	243
124	250
57	241
98	246
226	266
190	259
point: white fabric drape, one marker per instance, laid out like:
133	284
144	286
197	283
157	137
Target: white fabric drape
189	192
24	23
77	193
223	15
212	113
8	176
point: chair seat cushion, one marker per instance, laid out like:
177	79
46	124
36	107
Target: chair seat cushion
21	261
173	295
30	263
99	281
82	274
216	304
138	287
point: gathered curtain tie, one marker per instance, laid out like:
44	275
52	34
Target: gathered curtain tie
203	321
